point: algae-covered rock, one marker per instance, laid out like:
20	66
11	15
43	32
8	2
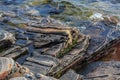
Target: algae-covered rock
72	11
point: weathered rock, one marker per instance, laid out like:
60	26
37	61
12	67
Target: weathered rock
66	44
18	53
7	65
103	37
68	52
19	78
10	69
71	75
46	78
10	50
57	47
6	39
102	70
15	52
43	40
43	63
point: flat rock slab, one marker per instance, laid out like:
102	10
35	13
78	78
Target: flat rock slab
109	70
71	75
103	37
19	78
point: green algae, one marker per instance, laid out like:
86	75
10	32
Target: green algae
74	11
38	2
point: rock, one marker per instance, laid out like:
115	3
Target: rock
7	65
19	78
55	48
6	38
38	75
104	70
103	37
47	78
71	75
108	19
43	63
42	40
10	50
10	69
9	14
8	2
28	76
18	53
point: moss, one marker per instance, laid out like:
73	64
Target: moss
74	11
38	2
58	74
21	25
11	24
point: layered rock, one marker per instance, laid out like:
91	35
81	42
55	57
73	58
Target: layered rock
10	69
71	75
6	39
102	70
63	47
47	47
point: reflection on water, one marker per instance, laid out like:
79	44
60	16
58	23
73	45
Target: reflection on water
74	8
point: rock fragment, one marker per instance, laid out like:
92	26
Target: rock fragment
10	69
71	75
6	38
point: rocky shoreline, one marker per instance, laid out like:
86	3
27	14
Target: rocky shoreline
33	47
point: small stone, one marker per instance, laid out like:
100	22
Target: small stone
28	76
38	75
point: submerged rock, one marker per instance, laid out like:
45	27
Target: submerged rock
8	2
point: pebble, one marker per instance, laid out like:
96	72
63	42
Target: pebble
38	75
28	76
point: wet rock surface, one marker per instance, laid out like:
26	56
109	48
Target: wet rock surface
103	70
48	47
71	75
6	39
